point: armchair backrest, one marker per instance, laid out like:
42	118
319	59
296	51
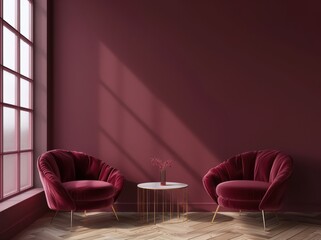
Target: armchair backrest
72	165
263	165
58	162
87	167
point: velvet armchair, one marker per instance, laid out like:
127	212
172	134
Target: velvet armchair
252	181
75	181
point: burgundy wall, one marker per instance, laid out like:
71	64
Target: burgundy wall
193	82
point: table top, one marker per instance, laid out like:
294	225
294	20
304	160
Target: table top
158	186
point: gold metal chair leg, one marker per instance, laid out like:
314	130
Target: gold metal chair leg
263	220
71	213
218	206
112	207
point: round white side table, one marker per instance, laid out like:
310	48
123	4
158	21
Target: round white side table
160	200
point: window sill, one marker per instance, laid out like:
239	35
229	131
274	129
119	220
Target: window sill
19	198
20	211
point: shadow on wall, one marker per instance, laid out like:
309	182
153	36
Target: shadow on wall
302	186
133	162
127	201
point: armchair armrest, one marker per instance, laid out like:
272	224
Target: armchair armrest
225	171
113	176
56	195
273	197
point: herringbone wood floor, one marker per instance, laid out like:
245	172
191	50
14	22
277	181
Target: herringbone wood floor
234	226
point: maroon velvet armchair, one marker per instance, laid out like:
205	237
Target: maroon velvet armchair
252	181
75	181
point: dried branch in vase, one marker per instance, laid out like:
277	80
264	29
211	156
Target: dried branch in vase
161	164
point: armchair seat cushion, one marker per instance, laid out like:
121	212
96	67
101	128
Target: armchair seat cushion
241	194
242	189
89	190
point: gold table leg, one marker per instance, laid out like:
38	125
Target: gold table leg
154	206
149	203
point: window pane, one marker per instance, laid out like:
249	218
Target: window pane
25	130
9	129
25	94
10	12
25	18
25	59
9	174
9	49
25	170
9	88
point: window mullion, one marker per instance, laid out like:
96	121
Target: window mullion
18	95
15	31
18	75
1	125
